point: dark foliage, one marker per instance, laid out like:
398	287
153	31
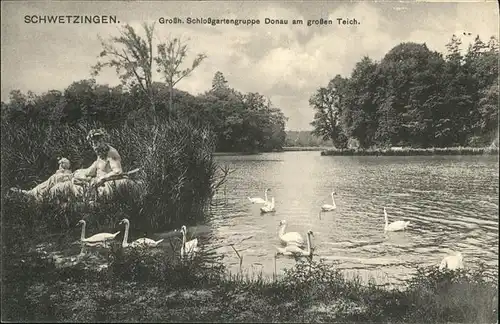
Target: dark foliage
415	98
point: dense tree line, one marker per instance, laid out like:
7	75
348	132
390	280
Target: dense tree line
241	122
414	97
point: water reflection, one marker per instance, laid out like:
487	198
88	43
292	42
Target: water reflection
451	202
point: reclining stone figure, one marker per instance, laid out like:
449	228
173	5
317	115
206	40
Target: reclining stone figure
103	176
63	174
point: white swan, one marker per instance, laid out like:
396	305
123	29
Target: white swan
395	226
96	239
452	262
294	250
327	207
143	242
268	208
290	238
190	247
259	200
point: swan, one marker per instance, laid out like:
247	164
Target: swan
190	247
452	262
394	226
327	207
294	250
259	200
290	238
96	239
268	208
144	242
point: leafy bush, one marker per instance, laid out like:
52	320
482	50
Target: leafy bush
452	296
165	267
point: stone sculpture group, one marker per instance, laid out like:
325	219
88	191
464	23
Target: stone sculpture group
102	178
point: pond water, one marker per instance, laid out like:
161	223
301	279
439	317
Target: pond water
451	202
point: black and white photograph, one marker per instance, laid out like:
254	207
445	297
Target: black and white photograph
250	161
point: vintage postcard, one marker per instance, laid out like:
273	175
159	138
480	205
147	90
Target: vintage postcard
250	161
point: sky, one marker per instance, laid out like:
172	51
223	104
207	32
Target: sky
286	63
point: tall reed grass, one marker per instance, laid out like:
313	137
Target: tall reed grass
177	169
178	175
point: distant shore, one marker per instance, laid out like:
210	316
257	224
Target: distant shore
306	148
413	151
285	149
405	151
234	153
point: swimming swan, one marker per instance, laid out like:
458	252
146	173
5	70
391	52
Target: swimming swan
259	200
268	208
294	250
144	242
452	262
395	226
327	207
190	247
97	238
290	238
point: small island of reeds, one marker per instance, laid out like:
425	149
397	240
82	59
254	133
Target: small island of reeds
408	151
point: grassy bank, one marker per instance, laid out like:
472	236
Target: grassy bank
413	151
140	286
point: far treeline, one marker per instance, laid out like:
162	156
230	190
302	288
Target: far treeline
415	98
305	139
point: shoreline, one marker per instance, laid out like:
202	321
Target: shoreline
405	151
234	153
310	292
412	151
305	148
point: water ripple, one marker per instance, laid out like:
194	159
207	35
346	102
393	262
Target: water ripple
451	202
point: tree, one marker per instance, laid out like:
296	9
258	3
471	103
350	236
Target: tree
453	47
327	102
488	108
359	113
481	67
170	57
459	97
80	100
132	57
219	83
493	45
408	95
388	121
